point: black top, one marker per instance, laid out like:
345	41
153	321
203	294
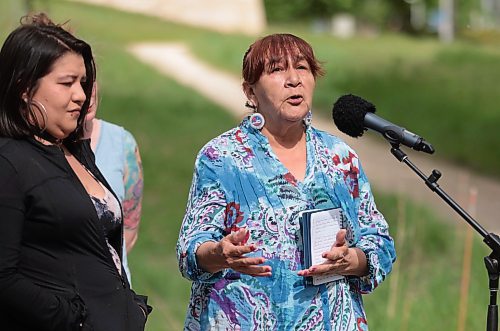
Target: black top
56	271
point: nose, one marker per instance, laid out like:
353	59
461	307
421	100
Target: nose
293	78
79	96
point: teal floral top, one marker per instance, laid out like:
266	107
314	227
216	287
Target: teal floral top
239	182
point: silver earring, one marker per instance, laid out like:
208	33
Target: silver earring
257	121
308	119
41	108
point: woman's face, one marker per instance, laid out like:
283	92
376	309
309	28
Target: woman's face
284	92
61	93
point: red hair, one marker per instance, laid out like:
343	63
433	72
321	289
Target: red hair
264	53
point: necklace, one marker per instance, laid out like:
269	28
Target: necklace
46	137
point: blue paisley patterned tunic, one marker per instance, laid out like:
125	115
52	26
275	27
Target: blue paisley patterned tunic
239	182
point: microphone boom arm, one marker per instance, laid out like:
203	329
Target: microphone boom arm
490	239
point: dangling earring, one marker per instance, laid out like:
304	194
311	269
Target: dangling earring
42	110
308	119
257	121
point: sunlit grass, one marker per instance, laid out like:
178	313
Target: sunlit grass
446	93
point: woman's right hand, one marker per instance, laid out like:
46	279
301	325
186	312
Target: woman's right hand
230	253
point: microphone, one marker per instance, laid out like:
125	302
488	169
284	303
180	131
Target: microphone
353	115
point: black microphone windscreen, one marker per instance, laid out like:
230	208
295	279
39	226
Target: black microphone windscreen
349	112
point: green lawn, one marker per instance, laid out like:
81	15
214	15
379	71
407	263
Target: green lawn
411	82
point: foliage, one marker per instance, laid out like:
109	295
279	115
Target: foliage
291	10
171	122
386	15
378	12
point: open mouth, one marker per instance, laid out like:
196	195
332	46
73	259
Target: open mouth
295	99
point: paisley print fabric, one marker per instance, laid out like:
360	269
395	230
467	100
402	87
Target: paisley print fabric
239	182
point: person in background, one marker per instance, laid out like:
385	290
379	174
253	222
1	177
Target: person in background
60	244
240	241
117	157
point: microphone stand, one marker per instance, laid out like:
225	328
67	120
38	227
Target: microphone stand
492	240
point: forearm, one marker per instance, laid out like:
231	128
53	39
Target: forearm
134	185
130	237
380	255
359	263
375	241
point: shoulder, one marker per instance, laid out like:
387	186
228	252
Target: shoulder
220	146
7	150
111	127
129	140
332	143
8	143
14	154
116	130
14	149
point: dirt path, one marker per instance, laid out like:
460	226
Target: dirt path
385	172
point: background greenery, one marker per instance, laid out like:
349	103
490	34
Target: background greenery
415	17
445	93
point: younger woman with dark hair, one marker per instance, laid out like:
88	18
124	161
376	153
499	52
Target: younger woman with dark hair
61	238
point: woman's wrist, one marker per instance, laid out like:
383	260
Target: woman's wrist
360	263
207	257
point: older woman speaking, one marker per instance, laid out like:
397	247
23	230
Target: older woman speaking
240	241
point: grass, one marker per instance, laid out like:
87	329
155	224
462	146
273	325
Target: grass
171	123
446	93
424	289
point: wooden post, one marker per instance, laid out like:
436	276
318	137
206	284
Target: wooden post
466	265
394	279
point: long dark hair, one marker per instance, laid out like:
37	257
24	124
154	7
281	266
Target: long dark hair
27	55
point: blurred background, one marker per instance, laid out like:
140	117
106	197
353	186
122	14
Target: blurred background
432	66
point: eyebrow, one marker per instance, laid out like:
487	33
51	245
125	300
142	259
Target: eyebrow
281	60
71	76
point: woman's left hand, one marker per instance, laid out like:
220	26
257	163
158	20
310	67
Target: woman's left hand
340	260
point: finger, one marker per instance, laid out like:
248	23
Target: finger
230	250
263	274
257	271
340	238
336	253
324	269
238	236
244	262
